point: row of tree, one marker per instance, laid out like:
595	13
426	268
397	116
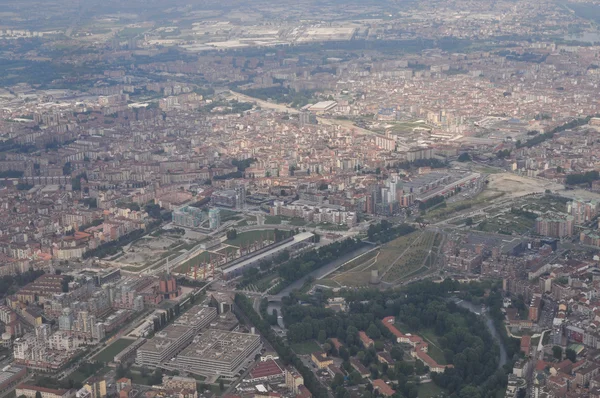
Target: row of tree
583	178
312	260
539	138
385	232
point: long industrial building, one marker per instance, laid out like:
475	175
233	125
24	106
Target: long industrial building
219	352
236	269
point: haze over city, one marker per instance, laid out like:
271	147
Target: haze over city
296	199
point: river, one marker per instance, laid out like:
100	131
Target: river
489	323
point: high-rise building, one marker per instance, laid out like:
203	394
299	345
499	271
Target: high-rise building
214	218
555	225
65	321
583	211
240	197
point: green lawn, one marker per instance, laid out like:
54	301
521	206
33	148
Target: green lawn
250	237
108	354
272	220
306	348
227	215
434	350
131	32
430	390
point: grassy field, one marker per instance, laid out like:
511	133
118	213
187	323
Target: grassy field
131	32
507	223
408	126
430	390
227	215
395	261
244	238
413	259
434	349
305	348
445	212
272	220
108	354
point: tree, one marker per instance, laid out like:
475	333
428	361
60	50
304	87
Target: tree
469	392
121	372
344	354
322	336
338	380
469	222
38	394
373	331
156	377
67	169
397	353
464	157
571	355
420	368
231	234
557	352
355	378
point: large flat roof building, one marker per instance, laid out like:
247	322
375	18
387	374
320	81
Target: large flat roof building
219	352
197	318
164	345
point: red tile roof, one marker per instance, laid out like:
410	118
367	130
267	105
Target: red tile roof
383	388
266	369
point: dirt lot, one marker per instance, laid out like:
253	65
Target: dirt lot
515	186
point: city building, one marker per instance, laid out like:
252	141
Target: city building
555	225
214	218
10	376
320	359
164	345
188	216
96	386
30	391
219	352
